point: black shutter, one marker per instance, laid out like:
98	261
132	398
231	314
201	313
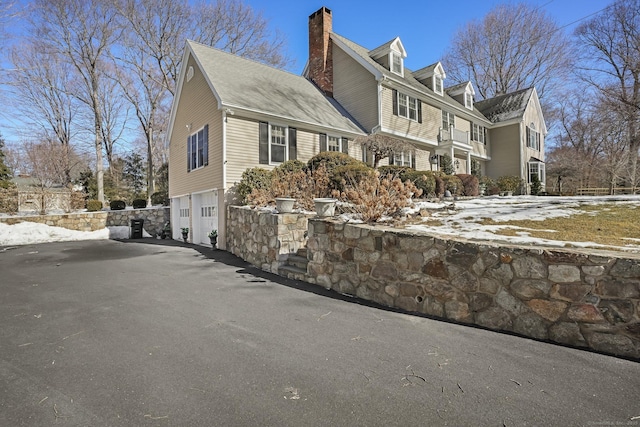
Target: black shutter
413	160
527	136
419	111
394	94
206	145
391	158
263	144
293	144
345	145
189	153
323	142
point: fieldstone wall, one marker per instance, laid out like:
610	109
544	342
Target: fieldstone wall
263	238
154	218
588	299
574	298
84	221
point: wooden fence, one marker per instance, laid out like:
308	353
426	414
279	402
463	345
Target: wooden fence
605	191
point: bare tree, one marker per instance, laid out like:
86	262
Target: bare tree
515	46
84	31
40	83
610	45
382	146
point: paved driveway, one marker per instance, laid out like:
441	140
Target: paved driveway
158	333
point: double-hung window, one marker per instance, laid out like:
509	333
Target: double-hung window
403	158
437	84
407	106
396	63
334	143
448	119
537	168
533	137
478	134
198	149
278	144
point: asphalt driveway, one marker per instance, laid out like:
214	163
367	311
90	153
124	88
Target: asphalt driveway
108	333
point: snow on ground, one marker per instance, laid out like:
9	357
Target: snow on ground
459	217
26	233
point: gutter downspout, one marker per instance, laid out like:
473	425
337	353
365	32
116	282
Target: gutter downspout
222	215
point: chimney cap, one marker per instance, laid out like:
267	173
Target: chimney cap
323	9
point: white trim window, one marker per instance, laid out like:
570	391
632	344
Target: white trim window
403	158
334	143
437	84
397	63
536	168
198	149
277	143
478	134
448	119
533	137
407	106
468	100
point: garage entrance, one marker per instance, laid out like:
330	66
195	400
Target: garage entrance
205	215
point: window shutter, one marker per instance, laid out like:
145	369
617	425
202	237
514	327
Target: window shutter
538	140
189	153
395	101
413	160
263	143
528	136
391	156
419	110
206	145
323	142
345	145
293	144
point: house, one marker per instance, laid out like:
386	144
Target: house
231	113
34	197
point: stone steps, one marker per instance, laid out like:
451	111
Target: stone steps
295	266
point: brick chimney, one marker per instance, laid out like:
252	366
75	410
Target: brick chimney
320	55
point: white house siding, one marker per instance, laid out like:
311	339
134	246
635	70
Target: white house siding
531	116
242	147
197	108
355	89
480	149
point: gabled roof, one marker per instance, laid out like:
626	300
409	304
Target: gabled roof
460	88
243	84
505	107
429	71
363	56
393	44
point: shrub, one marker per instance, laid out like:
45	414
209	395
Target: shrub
509	183
490	187
9	200
94	205
395	171
350	173
254	178
536	185
453	184
139	203
117	205
291	166
470	185
331	160
77	200
160	198
374	197
446	165
424	180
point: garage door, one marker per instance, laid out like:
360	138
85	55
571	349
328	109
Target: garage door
208	215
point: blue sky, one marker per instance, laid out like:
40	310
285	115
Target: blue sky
425	27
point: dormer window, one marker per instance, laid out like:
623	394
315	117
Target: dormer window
396	63
468	100
437	84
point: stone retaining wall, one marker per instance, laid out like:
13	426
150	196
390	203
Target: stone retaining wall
154	219
263	238
84	221
587	299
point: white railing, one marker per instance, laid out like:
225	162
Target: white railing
455	135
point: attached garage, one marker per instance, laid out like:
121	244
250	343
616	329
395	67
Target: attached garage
205	215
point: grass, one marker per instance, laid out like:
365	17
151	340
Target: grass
606	224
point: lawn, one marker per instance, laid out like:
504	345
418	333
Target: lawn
597	222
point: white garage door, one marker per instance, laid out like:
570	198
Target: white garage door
183	217
208	215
